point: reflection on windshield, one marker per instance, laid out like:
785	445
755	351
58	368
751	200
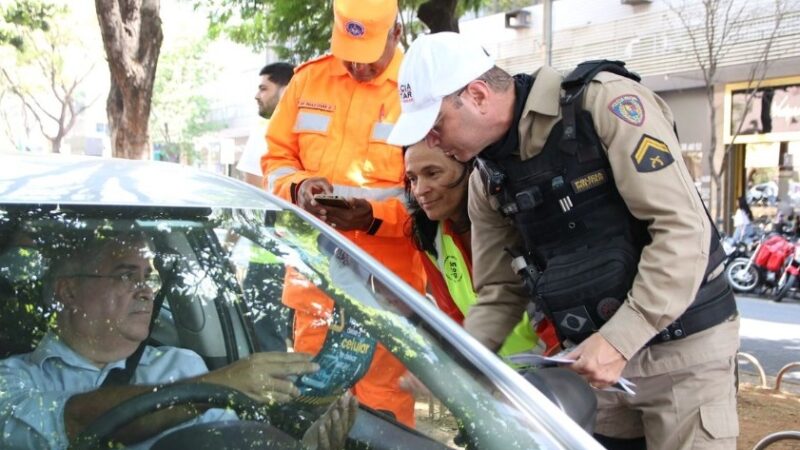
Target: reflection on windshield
224	276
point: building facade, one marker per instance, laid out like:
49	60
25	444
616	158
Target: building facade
665	43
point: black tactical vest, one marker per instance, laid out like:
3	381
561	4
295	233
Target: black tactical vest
580	238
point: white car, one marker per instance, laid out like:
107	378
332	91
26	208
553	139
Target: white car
205	229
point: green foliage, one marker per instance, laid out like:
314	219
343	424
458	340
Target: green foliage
179	111
22	15
50	77
24	315
300	28
296	30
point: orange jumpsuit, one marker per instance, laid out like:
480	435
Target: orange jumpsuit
329	125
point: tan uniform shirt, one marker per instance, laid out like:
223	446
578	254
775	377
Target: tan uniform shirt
650	174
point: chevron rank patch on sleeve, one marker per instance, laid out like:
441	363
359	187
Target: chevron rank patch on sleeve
651	155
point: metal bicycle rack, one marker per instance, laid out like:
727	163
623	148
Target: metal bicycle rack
762	375
784	370
776	437
780	435
754	361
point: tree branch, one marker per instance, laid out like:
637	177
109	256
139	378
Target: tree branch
690	32
763	63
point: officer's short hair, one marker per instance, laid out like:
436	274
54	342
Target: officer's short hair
279	73
497	79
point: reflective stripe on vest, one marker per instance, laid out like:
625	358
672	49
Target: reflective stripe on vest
312	122
377	194
277	174
459	282
381	130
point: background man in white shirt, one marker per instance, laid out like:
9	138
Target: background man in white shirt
274	78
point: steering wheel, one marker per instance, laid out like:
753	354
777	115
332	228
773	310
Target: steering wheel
97	434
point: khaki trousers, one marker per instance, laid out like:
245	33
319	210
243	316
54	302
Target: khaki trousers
685	394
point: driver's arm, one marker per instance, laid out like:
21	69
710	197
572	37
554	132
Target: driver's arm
37	411
82	409
262	376
169	365
35	415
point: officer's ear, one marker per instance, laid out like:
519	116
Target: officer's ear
478	92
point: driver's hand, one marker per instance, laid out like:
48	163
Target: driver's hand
264	377
329	432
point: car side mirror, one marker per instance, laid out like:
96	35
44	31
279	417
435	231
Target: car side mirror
567	390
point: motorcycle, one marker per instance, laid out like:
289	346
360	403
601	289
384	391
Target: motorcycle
764	267
739	248
790	275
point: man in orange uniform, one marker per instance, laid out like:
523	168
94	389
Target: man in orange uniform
328	136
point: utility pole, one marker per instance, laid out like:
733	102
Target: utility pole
547	30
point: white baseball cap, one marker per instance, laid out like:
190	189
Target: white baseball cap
435	66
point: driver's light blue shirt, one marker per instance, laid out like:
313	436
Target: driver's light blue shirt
34	388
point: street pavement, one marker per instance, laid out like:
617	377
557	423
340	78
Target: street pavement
771	332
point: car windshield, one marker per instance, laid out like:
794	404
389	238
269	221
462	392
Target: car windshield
221	280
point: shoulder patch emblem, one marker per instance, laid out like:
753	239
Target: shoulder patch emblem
651	155
629	108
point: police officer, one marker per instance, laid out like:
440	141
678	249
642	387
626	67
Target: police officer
582	187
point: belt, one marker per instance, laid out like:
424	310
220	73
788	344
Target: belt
715	304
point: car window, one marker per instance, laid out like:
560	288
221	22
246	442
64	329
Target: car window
21	314
223	273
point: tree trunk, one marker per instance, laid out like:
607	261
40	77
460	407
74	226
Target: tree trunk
439	15
132	39
716	175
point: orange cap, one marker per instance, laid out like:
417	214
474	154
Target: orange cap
360	29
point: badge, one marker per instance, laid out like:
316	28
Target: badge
607	307
629	108
354	28
451	269
574	320
651	155
589	181
307	104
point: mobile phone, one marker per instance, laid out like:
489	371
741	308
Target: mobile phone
332	200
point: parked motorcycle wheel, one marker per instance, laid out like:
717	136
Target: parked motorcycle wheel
784	288
742	278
